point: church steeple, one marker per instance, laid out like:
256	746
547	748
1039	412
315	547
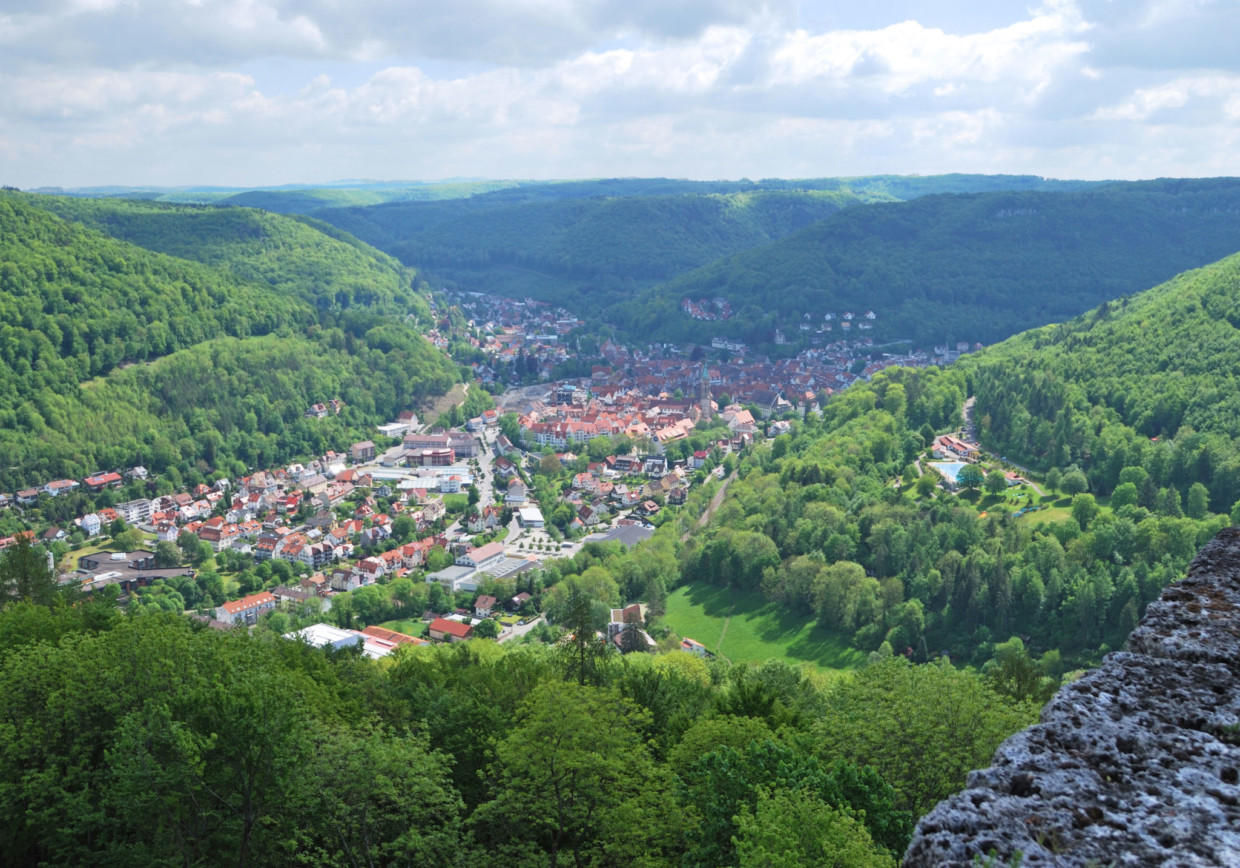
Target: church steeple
704	407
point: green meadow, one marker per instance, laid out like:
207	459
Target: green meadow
744	628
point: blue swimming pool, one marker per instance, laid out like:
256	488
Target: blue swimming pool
949	469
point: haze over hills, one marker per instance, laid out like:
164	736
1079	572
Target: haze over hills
115	355
292	198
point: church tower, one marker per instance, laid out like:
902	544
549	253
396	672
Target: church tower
704	407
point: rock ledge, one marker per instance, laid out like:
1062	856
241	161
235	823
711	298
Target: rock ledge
1135	764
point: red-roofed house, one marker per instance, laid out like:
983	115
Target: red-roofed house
693	647
444	630
103	480
247	609
392	636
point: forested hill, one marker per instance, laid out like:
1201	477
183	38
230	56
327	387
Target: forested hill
588	244
307	200
976	267
297	256
1145	382
570	250
113	355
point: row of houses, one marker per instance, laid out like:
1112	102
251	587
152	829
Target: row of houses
94	483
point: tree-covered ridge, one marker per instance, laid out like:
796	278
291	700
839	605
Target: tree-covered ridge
293	198
966	267
112	355
311	199
296	256
76	304
1144	382
622	237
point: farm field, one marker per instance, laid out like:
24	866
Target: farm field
744	628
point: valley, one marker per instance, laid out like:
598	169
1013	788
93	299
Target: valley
751	520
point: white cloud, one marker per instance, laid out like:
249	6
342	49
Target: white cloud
1210	94
235	91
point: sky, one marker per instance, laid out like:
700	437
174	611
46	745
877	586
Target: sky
267	92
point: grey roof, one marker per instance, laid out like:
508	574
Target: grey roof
450	574
509	567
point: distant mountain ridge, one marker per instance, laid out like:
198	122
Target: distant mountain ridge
587	243
974	267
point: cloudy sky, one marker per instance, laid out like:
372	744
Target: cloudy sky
262	92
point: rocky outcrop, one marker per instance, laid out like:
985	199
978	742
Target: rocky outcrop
1135	764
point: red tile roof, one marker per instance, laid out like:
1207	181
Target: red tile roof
450	628
392	636
263	598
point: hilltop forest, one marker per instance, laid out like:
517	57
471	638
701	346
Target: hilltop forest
99	336
976	267
1140	393
589	244
582	251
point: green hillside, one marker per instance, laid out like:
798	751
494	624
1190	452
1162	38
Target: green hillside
1143	382
612	244
296	256
976	267
112	355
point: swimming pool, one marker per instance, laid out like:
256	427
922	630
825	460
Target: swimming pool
949	469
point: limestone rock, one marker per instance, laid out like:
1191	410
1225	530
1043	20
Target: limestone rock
1137	763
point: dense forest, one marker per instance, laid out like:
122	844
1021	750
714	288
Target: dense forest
113	355
1140	393
148	739
961	267
586	243
577	247
297	256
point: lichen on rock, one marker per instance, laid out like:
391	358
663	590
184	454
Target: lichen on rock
1137	763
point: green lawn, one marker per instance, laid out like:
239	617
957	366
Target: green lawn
1057	507
408	626
756	630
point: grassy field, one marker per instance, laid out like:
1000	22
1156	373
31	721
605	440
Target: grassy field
408	626
1057	506
744	628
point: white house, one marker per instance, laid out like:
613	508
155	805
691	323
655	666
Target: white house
481	557
517	493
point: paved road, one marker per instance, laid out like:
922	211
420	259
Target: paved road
970	432
520	630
